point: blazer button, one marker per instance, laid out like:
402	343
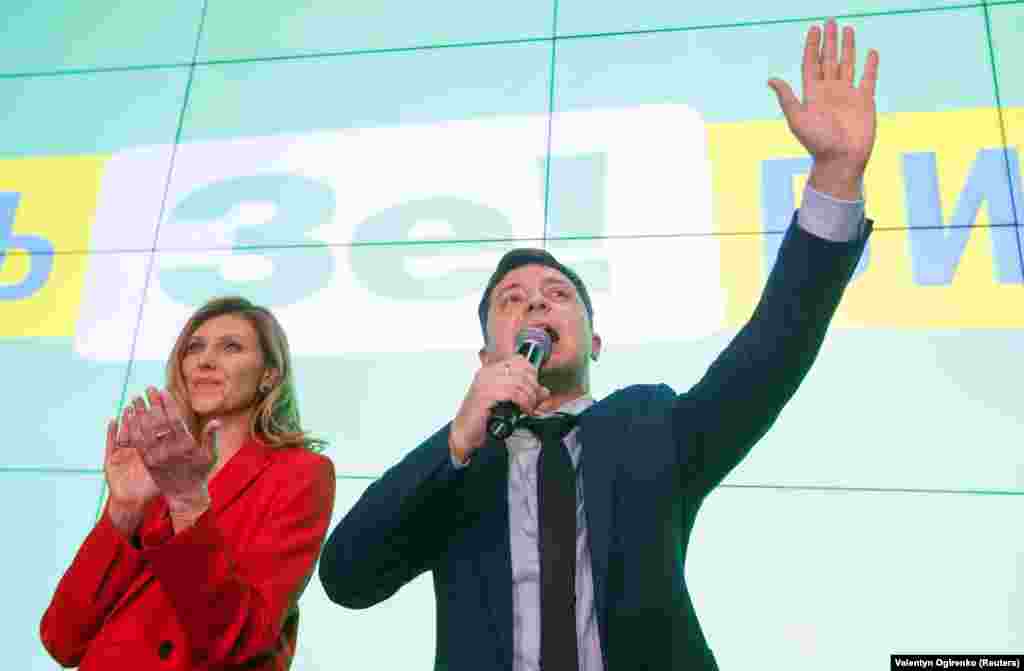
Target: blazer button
165	649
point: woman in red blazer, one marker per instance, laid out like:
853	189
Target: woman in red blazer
205	545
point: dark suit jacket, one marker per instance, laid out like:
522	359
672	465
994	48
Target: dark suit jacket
220	595
651	458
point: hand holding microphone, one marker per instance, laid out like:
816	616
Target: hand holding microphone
500	394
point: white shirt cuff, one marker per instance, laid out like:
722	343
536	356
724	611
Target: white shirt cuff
831	218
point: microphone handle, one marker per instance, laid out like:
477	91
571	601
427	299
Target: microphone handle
504	417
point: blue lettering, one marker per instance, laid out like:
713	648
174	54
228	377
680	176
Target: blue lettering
302	205
384	268
936	248
39	249
577	220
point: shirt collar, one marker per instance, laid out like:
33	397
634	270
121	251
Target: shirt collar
573	407
523	439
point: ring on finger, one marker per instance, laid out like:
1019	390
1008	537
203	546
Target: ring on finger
160	435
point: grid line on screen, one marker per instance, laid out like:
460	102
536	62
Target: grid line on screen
472	241
70	72
551	116
1002	131
52	470
774	22
156	233
46	470
485	43
817	488
878	490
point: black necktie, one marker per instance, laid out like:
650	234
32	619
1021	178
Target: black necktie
556	500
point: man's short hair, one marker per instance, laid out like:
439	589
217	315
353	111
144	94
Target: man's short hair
524	257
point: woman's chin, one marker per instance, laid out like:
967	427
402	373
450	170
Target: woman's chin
206	411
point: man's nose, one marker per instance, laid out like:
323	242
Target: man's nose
538	302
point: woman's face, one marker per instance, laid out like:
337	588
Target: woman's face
223	365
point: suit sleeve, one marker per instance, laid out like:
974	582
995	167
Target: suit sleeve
233	601
101	572
745	388
397	529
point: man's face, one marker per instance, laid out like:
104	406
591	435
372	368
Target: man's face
539	296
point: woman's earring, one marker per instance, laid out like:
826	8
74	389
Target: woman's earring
264	387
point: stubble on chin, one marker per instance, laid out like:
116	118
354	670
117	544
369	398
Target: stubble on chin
563	378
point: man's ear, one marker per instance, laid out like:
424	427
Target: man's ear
595	346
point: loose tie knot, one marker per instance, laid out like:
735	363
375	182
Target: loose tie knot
552	428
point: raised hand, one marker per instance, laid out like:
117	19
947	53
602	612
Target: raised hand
178	464
835	122
128	480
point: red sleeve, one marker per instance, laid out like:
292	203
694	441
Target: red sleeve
104	568
233	601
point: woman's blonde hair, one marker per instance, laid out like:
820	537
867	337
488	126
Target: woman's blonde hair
276	418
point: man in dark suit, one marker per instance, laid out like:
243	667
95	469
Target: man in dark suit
527	576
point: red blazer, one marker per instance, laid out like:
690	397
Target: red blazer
220	595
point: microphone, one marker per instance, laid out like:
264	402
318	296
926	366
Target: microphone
535	344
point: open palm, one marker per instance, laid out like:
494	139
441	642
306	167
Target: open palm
836	120
127	477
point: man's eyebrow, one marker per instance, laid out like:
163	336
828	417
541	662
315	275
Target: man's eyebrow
501	290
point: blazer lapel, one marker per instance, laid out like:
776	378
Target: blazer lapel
235	476
598	435
494	559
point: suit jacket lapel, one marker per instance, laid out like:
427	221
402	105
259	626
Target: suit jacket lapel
599	435
494	559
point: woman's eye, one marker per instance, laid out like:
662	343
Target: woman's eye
233	347
192	347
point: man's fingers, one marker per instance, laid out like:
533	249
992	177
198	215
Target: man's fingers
829	54
811	69
870	77
526	397
787	99
848	64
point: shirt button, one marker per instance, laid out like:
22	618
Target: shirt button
165	649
